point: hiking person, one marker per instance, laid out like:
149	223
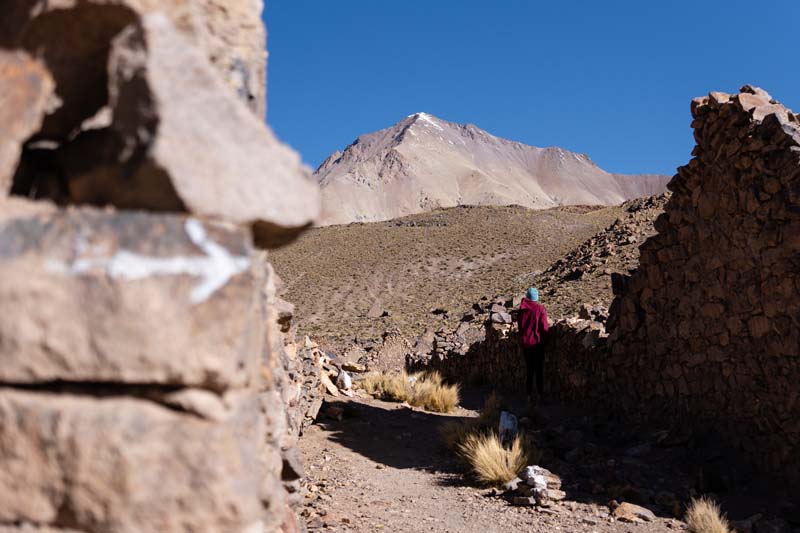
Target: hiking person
532	320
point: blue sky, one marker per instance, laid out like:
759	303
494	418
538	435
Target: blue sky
610	78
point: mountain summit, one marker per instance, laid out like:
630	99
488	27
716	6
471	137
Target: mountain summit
423	163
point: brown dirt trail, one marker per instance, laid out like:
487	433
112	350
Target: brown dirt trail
382	468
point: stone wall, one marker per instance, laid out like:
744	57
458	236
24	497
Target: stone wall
484	350
707	330
120	92
150	379
705	333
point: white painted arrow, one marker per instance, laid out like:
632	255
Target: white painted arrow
214	268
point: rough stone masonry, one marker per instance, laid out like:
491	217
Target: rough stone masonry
707	330
705	334
149	376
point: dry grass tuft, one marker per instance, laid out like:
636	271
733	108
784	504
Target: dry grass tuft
492	463
392	387
425	389
475	440
704	516
434	395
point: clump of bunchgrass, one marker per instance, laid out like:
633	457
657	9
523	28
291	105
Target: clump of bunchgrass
429	392
422	389
392	387
704	516
475	441
492	462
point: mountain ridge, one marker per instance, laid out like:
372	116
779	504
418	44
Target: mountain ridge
423	163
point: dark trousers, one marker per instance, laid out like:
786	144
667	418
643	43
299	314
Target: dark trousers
534	362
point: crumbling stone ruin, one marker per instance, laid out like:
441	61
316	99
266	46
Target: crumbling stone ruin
704	334
706	331
149	375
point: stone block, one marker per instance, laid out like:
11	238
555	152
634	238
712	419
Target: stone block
27	90
97	296
127	464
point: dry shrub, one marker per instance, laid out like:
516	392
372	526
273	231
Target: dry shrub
493	463
424	389
432	394
704	516
392	387
475	441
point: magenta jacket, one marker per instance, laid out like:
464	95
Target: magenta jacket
532	320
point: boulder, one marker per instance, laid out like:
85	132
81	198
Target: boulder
126	464
501	318
523	501
330	388
358	368
541	485
628	512
425	343
376	310
27	90
344	381
97	296
536	475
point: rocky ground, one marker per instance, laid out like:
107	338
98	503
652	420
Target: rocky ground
421	272
382	468
584	274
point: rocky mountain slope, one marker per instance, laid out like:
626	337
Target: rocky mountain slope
422	271
584	274
423	163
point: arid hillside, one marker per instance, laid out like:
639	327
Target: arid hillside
421	272
424	163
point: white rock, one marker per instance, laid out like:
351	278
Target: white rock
344	381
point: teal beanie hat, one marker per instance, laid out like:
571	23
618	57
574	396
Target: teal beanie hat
533	294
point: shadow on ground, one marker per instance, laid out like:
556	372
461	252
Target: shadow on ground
392	435
598	459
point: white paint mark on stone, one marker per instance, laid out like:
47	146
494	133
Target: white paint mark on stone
255	527
214	268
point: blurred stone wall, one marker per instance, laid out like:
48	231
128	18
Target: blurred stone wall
150	379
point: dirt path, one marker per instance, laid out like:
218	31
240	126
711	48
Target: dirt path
382	468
